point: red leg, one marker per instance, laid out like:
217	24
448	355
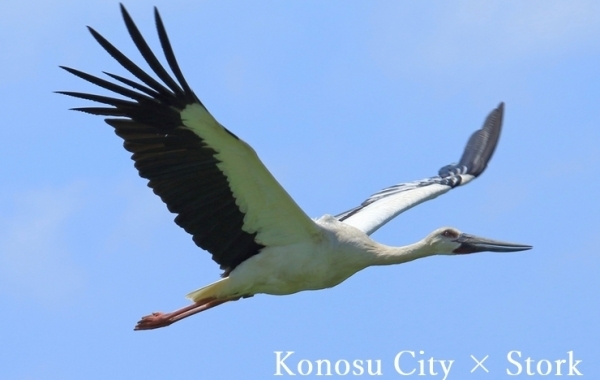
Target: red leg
157	320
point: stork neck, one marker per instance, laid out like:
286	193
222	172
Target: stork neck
386	255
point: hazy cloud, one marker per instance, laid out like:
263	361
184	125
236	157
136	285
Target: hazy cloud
35	260
31	31
468	34
142	214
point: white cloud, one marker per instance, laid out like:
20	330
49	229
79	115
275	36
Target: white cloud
502	197
470	34
142	214
24	27
35	260
33	31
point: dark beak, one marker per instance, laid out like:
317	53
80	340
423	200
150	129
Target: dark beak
472	244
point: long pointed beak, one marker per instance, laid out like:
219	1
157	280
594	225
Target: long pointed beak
472	244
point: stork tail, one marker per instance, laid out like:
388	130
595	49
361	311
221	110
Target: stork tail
214	290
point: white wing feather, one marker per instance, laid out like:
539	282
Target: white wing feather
388	203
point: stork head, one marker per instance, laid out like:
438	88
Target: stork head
450	241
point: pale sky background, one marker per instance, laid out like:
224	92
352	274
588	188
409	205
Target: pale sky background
340	99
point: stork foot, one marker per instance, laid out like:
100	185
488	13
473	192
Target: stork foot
158	320
154	321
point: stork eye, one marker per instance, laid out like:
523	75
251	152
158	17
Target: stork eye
449	233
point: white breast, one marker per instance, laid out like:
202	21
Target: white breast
322	262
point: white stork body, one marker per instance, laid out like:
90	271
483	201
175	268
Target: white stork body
330	256
234	208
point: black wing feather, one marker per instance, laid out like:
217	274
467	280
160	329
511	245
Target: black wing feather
482	143
170	56
148	55
181	168
476	156
135	85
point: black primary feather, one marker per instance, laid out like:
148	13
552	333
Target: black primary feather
476	155
181	168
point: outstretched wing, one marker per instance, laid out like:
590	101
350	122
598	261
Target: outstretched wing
223	194
386	204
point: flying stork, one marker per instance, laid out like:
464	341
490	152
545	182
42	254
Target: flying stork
234	208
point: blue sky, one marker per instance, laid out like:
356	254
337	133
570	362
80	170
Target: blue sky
340	99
